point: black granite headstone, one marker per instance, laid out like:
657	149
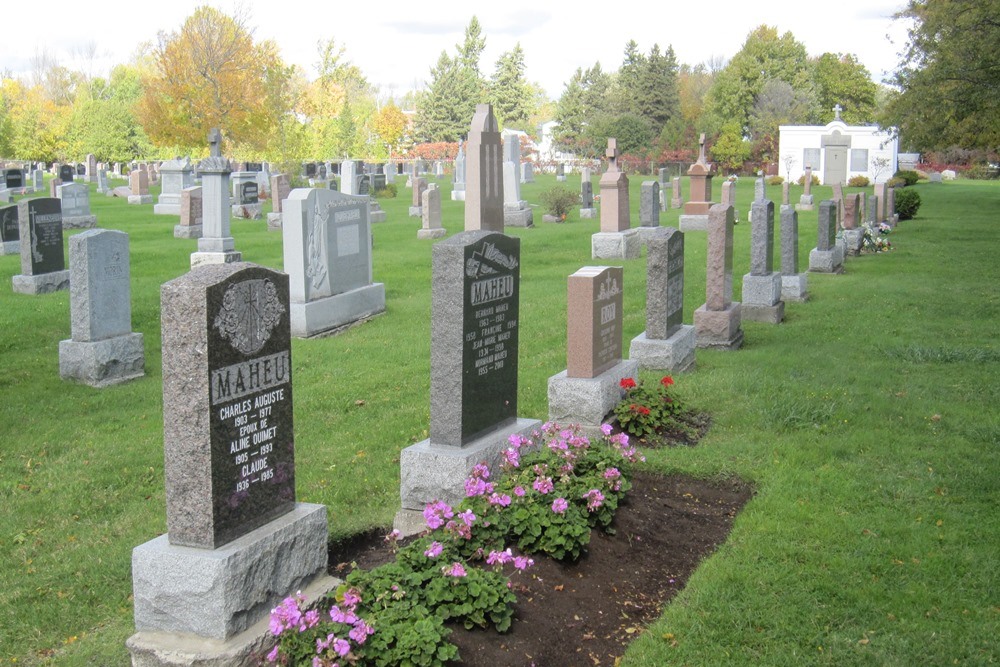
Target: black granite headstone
67	173
587	195
250	375
364	184
310	170
45	234
14	178
254	166
249	193
378	182
81	169
8	223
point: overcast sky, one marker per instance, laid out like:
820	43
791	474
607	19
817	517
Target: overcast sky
396	42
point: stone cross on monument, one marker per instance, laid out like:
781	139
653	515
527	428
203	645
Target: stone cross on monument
612	154
215	142
836	111
701	149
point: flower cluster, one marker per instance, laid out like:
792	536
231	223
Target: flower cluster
330	639
874	238
644	409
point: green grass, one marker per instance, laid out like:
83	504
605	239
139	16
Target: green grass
867	423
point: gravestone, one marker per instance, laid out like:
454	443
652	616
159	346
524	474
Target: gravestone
190	226
348	177
10	232
246	196
237	541
280	190
216	244
560	172
475	288
806	199
667	344
4	196
827	256
935	177
649	207
484	185
793	283
784	193
838	197
729	197
527	173
871	210
677	200
588	390
103	349
37	180
853	234
102	181
138	181
67	173
587	210
431	216
759	189
75	198
328	256
762	286
516	212
81	169
458	175
718	321
43	264
175	175
616	240
417	194
14	179
880	196
663	178
91	168
695	216
890	206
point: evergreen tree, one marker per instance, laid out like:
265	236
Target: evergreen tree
657	96
445	111
629	80
509	92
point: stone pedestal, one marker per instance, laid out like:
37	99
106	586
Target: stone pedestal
326	315
645	232
518	216
588	401
616	245
693	223
805	203
853	240
10	248
215	257
794	288
435	233
274	222
104	362
826	261
377	215
588	213
140	199
195	606
41	283
168	204
416	211
79	221
187	231
431	472
762	298
248	211
672	355
719	329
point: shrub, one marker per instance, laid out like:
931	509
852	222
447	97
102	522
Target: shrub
802	179
907	203
388	192
895	182
858	182
559	201
908	176
775	180
643	409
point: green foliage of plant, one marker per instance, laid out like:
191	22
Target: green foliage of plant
858	181
907	203
775	180
908	176
411	636
645	408
559	201
813	181
388	192
537	528
895	182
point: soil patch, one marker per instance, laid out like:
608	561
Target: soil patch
587	612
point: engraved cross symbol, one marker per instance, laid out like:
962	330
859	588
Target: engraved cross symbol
215	142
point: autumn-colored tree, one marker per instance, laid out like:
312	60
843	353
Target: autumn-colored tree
390	126
210	74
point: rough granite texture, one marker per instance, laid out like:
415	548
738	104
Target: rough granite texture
523	217
588	213
761	290
854	239
431	209
649	204
789	241
826	261
43	283
664	282
100	292
102	363
484	173
826	225
616	245
673	355
693	223
79	221
719	271
719	329
314	318
140	199
794	287
588	401
761	237
219	593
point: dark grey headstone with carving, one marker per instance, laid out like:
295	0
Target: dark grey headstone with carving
41	231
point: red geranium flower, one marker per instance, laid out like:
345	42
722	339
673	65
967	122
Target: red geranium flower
667	381
627	383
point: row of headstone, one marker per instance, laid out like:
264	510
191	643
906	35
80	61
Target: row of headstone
617	239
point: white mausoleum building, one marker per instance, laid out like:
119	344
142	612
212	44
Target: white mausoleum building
836	151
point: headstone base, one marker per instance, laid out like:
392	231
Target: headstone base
794	288
673	355
248	211
826	261
588	401
458	195
616	245
10	248
140	199
645	232
79	221
676	203
43	283
853	240
693	223
187	231
274	222
210	607
551	218
416	211
431	472
561	179
766	314
328	314
719	329
376	216
221	257
167	209
805	203
437	233
588	213
102	363
523	217
762	298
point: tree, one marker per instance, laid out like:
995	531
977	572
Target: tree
948	78
390	125
337	104
841	79
511	95
778	104
731	149
657	95
210	74
586	101
456	87
629	80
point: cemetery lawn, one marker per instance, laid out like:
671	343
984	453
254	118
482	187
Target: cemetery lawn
866	423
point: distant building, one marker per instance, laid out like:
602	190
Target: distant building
546	144
836	151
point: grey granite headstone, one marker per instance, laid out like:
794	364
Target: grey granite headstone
827	256
762	286
484	196
431	215
216	245
677	200
718	322
103	349
175	176
328	256
649	204
75	198
759	189
458	184
793	283
586	194
43	264
10	232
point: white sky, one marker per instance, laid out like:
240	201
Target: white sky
396	42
